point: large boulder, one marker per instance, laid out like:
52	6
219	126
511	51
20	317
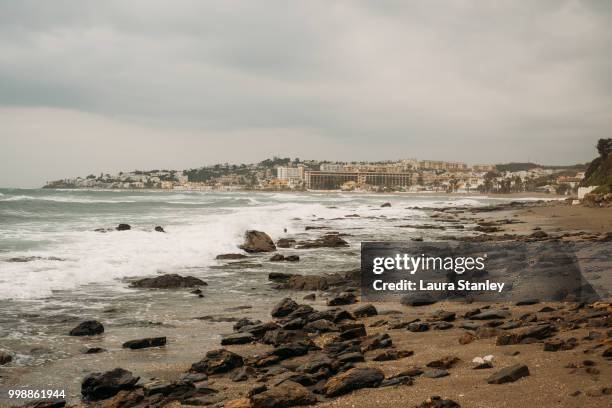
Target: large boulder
99	386
88	328
287	394
257	241
169	281
123	227
218	361
326	241
353	379
284	307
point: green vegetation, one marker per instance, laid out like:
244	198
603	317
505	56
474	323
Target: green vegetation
599	171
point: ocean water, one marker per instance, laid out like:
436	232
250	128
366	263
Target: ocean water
69	272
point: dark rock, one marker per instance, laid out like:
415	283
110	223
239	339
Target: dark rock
97	386
230	256
444	362
310	296
194	377
170	281
483	366
528	334
257	241
292	258
159	229
438	402
365	311
284	308
285	243
397	380
243	374
290	350
145	343
607	352
443	326
5	358
277	258
490	314
170	389
315	365
92	350
353	379
527	302
391	355
311	282
444	316
217	362
418	327
386	205
509	374
123	227
352	331
294	324
237	338
345	298
279	276
320	326
376	341
327	241
415	301
435	373
302	311
558	344
546	309
88	328
287	394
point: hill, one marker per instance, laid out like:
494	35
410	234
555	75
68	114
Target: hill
599	171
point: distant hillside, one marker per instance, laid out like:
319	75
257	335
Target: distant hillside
529	166
599	171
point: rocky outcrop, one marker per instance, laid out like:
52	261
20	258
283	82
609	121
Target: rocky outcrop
230	256
307	282
286	243
145	343
353	379
123	227
99	386
170	281
257	241
326	241
88	328
284	308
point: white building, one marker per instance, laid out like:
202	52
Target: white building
290	173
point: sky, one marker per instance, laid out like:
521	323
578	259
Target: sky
90	86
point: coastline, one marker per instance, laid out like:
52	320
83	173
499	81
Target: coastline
462	385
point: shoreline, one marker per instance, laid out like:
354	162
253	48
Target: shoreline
462	383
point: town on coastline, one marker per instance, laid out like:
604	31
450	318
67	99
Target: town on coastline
408	175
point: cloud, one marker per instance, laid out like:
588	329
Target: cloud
472	81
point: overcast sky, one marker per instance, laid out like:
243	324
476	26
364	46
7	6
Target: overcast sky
91	86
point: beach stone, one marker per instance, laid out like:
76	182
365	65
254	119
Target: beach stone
97	386
418	327
279	276
345	298
435	373
217	362
237	338
284	307
311	282
302	311
159	229
396	380
87	328
490	314
145	343
444	362
194	377
169	281
315	365
172	389
383	205
391	355
376	341
285	243
607	352
5	358
352	331
287	394
230	256
444	316
558	344
526	335
353	379
242	374
289	350
277	258
438	402
92	350
123	227
320	326
509	374
365	311
292	258
257	241
466	338
326	241
418	300
443	326
310	296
